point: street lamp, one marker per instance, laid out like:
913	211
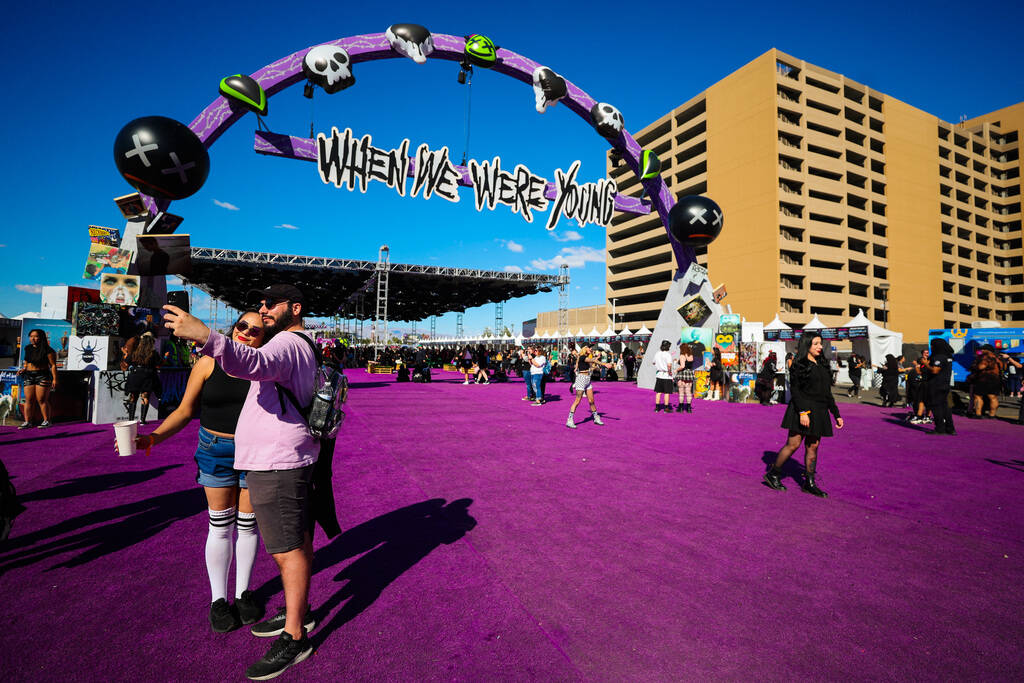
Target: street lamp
884	286
613	314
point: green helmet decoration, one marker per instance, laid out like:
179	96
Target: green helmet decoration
481	51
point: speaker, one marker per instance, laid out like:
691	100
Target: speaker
178	298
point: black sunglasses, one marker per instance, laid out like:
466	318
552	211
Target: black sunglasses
242	326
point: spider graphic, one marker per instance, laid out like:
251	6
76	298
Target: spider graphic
88	352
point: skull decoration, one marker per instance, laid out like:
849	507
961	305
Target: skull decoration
607	120
548	87
330	67
695	221
411	40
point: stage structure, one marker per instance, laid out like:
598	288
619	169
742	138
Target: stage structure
166	160
340	286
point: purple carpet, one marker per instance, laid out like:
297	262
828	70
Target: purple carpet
485	541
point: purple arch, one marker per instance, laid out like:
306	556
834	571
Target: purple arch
211	123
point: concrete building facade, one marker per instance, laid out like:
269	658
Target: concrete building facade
836	197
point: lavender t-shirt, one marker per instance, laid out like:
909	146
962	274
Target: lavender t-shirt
266	438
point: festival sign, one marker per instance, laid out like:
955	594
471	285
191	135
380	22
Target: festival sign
827	334
345	161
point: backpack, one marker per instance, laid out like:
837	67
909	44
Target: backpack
324	414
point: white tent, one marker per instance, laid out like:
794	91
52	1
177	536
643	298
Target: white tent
609	332
643	331
779	347
625	332
880	341
815	324
593	332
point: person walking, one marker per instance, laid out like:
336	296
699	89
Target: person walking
889	391
856	368
538	366
39	377
807	417
583	360
663	377
717	376
986	378
218	399
765	382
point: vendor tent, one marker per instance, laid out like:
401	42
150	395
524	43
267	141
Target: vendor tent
779	347
879	341
815	324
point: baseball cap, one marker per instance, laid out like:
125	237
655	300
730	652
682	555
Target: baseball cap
278	292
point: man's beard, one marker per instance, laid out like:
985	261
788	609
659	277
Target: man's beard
281	323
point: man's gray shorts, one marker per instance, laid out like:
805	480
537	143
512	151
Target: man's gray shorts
280	499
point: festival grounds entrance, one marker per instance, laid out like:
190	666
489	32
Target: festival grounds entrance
482	543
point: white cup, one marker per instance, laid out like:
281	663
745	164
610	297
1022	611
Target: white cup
125	433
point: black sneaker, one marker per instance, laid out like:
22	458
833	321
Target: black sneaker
274	626
223	617
250	608
282	654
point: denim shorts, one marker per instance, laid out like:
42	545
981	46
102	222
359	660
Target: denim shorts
215	457
42	378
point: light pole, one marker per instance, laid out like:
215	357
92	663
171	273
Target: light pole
884	286
613	315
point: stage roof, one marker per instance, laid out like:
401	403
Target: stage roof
333	286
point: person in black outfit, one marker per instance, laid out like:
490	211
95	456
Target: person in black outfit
766	380
938	373
856	367
890	389
807	417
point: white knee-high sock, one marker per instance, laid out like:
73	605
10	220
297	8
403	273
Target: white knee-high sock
245	551
219	550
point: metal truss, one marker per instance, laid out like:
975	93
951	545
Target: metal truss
229	256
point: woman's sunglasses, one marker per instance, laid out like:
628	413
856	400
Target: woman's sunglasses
243	326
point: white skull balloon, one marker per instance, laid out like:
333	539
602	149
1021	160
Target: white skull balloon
607	120
330	67
548	88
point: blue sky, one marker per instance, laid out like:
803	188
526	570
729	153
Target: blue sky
80	74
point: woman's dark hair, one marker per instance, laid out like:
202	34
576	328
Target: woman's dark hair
685	349
242	315
941	347
37	355
803	348
666	345
717	353
890	361
144	351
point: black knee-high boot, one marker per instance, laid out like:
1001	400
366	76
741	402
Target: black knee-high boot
129	405
142	414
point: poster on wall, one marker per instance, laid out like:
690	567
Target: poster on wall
92	353
58	335
730	323
59	300
137	320
110	237
728	345
695	311
106	258
697	335
163	255
131	205
748	357
10	332
119	289
95	320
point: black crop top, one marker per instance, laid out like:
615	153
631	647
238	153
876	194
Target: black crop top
220	401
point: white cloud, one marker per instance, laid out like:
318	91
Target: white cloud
225	205
510	245
567	236
513	269
2	246
175	281
287	226
574	257
31	289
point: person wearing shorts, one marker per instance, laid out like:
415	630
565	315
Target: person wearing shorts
219	399
275	449
584	360
39	377
663	387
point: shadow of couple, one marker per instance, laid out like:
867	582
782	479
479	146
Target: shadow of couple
386	546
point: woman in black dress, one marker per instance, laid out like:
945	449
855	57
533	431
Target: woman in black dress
807	417
716	377
890	389
143	379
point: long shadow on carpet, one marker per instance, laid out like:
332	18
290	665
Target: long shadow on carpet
136	522
100	483
60	435
392	543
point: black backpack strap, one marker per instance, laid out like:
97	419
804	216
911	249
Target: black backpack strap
283	391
